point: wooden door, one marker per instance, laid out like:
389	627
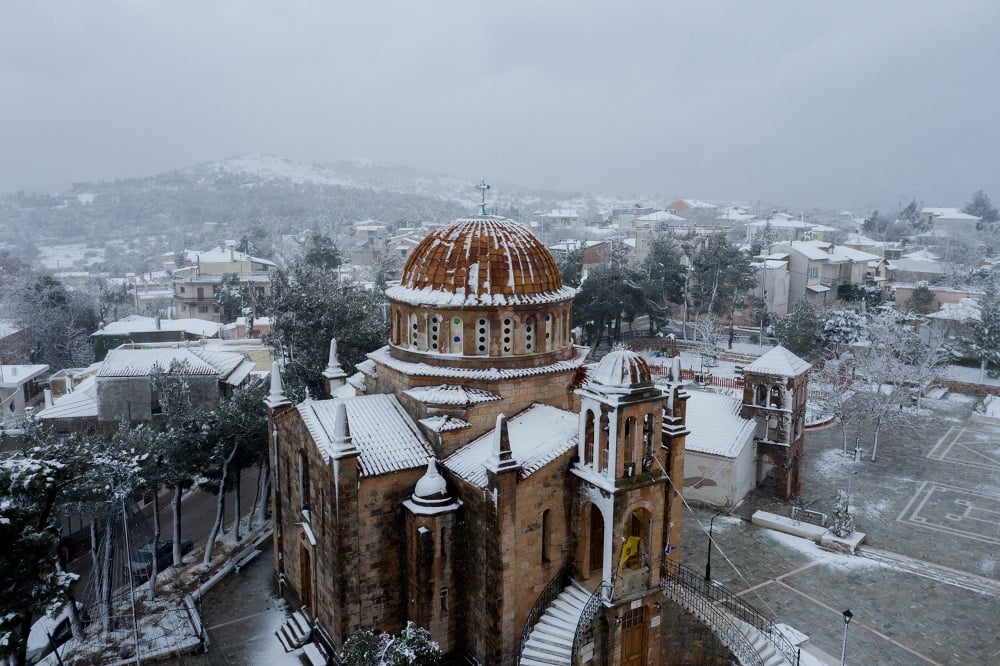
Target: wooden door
596	541
634	637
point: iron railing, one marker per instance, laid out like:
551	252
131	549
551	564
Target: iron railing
720	597
589	610
552	590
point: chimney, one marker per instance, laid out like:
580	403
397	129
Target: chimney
48	398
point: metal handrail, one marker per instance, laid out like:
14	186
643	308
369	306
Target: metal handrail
548	594
721	624
719	595
589	610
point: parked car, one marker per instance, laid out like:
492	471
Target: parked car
49	632
142	562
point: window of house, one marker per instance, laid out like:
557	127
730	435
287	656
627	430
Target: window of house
545	536
813	272
182	290
202	308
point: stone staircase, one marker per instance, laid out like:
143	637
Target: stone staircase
765	648
294	632
551	639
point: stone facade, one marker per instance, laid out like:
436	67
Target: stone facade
545	467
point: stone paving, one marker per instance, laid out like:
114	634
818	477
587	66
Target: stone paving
928	589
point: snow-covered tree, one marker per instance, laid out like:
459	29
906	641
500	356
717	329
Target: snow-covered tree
412	647
982	338
830	391
843	519
842	327
309	306
921	299
892	369
800	331
982	207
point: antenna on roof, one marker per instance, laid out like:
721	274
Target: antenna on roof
482	187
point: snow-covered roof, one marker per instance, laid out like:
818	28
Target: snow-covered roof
948	213
561	213
385	436
778	361
8	327
139	324
783	222
142	362
919	266
82	402
12	376
223	255
445	423
967	308
538	435
695	203
715	424
823	251
425	370
660	216
451	394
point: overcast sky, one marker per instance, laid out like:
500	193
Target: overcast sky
839	104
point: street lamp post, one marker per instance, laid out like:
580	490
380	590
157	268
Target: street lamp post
843	650
708	562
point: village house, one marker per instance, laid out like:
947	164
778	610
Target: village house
197	280
816	269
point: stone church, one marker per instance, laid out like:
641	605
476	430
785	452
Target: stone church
476	478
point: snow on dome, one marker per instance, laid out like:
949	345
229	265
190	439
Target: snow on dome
431	486
622	368
483	260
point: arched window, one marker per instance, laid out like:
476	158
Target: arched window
456	335
529	335
303	481
588	440
637	539
434	332
483	336
396	328
628	447
413	330
507	335
648	438
595	531
547	342
761	395
603	450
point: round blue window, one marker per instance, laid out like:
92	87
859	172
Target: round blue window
458	339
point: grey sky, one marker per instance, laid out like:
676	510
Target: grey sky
842	104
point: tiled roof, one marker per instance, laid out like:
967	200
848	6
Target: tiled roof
484	260
444	423
451	394
715	424
424	370
141	362
139	324
778	361
387	439
538	435
82	402
15	375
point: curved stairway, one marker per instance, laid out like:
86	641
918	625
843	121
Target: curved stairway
551	639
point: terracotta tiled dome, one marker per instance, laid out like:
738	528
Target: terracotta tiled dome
483	260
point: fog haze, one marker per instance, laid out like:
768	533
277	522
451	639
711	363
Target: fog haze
845	104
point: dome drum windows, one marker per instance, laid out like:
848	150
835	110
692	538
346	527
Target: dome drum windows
483	336
529	335
456	336
507	335
435	332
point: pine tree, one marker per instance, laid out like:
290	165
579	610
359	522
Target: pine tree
982	207
800	331
982	339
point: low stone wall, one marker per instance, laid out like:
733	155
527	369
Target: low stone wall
969	387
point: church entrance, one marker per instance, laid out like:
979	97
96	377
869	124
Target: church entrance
305	577
634	637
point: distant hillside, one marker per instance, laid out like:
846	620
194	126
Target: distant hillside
257	196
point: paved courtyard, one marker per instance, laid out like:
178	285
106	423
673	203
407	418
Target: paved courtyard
925	588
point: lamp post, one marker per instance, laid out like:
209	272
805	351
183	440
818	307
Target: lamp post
843	650
708	562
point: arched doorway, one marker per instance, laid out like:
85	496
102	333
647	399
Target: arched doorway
305	576
595	531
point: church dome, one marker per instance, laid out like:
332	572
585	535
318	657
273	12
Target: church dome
482	260
622	368
431	489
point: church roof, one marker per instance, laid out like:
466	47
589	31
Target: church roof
385	436
538	435
451	394
622	368
482	260
779	361
715	424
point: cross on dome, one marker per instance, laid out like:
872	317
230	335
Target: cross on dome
482	187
